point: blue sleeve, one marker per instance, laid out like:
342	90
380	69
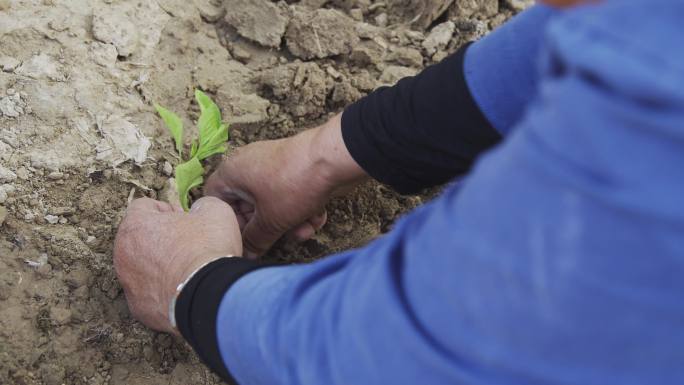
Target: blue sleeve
558	261
502	68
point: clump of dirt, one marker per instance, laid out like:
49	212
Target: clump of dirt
79	138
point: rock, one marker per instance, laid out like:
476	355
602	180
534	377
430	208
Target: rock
5	5
356	14
12	106
381	20
3	196
439	37
301	88
8	63
210	11
257	20
122	141
406	56
321	33
393	74
419	13
344	94
3	215
242	108
41	66
467	8
241	54
116	29
78	278
367	52
6	175
167	168
51	219
103	54
519	5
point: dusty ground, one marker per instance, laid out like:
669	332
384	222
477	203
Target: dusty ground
78	136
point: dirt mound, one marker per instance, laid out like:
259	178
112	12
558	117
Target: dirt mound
79	137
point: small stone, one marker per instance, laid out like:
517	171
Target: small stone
29	217
439	37
3	215
240	54
52	219
22	173
167	168
5	5
519	5
63	211
356	14
3	196
8	63
55	175
6	175
407	56
63	221
209	11
393	74
381	20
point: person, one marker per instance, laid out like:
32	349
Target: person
556	258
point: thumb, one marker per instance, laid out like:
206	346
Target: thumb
213	207
259	235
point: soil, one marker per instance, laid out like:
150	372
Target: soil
79	137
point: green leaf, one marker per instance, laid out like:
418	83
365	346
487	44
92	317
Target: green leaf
215	144
188	176
210	118
174	124
193	149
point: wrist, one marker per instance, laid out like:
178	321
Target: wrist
330	159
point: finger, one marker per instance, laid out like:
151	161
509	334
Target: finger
149	205
259	235
318	221
302	233
212	207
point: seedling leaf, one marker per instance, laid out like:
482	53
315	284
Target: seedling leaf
188	176
210	118
213	135
175	126
215	143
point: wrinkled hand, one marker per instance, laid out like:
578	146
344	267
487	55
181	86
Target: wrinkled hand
281	186
158	246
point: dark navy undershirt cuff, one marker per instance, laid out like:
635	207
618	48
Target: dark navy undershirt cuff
198	303
422	132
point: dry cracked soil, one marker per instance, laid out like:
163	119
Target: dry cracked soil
79	137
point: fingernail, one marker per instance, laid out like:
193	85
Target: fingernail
195	207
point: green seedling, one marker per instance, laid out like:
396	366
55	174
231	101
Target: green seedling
213	135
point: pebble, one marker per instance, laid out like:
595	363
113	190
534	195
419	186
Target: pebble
241	54
6	175
3	215
8	63
439	37
52	219
356	14
167	168
55	175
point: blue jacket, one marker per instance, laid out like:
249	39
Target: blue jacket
558	260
